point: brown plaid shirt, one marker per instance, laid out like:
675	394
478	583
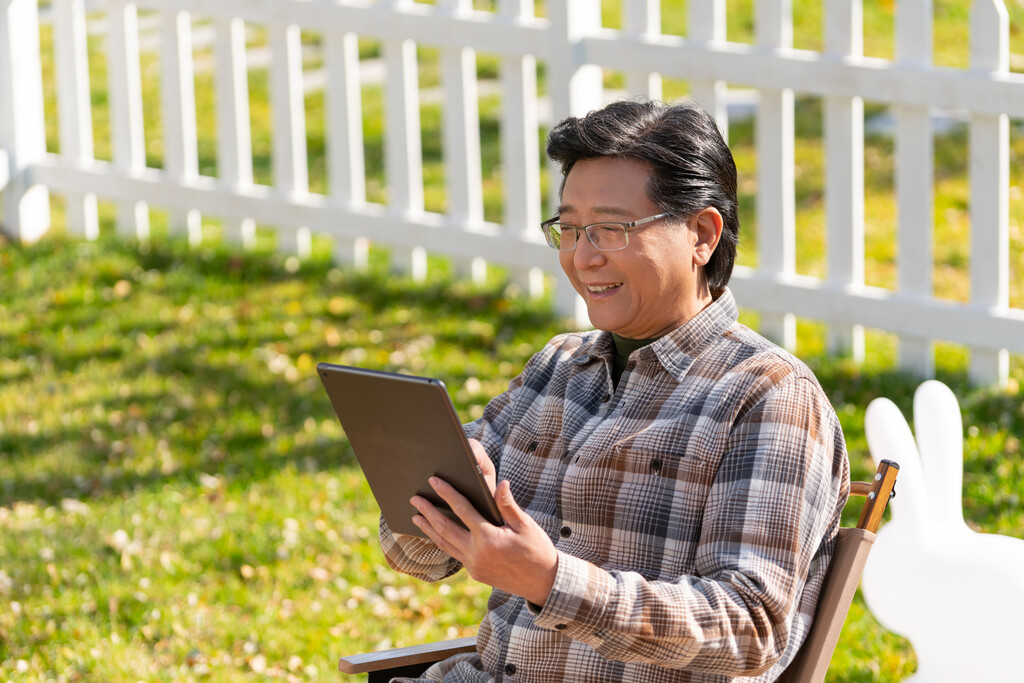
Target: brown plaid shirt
695	509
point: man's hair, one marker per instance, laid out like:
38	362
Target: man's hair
691	167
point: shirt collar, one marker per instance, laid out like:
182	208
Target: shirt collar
677	350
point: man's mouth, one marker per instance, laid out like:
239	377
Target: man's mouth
597	289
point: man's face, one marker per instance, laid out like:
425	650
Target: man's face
649	288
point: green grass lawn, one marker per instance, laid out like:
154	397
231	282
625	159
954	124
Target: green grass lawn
177	501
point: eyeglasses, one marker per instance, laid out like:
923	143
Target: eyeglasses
607	236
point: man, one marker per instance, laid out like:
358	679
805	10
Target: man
671	482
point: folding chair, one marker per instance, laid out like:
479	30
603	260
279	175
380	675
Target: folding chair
811	662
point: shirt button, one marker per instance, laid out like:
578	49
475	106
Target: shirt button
510	669
565	532
606	398
532	447
560	627
656	465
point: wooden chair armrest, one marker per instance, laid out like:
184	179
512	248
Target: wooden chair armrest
406	656
878	494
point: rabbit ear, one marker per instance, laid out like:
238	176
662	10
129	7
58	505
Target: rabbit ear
889	438
940	438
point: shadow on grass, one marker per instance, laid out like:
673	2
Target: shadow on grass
129	393
245	441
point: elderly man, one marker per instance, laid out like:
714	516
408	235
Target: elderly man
671	482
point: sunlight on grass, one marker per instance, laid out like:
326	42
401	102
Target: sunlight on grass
175	489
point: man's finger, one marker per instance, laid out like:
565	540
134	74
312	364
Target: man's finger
459	504
438	520
434	535
448	535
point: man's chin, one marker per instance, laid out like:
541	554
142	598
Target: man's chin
605	323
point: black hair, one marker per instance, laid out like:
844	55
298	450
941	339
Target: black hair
691	166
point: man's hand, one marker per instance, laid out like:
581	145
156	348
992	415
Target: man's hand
518	557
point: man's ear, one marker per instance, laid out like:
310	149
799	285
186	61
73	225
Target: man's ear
707	228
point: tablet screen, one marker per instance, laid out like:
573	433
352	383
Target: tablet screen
404	430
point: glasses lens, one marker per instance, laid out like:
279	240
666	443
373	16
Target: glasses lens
553	235
607	236
560	236
567	237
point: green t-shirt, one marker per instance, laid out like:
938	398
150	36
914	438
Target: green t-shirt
624	347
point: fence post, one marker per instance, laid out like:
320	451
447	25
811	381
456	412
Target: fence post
345	157
915	180
642	18
844	172
520	157
461	137
291	173
707	25
574	88
776	211
74	108
403	147
181	152
989	140
234	134
126	122
26	206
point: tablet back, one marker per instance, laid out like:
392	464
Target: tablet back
404	430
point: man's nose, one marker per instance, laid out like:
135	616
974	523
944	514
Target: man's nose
586	255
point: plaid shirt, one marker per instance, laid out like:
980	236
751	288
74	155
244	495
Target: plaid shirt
694	508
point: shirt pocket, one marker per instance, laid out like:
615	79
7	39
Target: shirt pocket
666	450
527	449
660	501
534	465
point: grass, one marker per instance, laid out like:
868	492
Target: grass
177	500
176	495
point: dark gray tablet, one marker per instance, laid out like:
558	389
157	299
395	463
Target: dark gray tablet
404	430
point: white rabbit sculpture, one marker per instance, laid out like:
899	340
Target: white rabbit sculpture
955	594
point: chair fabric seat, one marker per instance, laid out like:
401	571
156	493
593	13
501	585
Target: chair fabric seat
852	547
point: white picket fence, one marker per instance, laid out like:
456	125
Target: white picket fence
575	48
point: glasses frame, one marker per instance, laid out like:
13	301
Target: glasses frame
626	227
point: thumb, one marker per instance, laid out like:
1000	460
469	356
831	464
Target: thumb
507	505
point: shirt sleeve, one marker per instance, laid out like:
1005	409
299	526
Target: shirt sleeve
773	506
418	557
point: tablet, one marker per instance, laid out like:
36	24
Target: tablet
404	430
